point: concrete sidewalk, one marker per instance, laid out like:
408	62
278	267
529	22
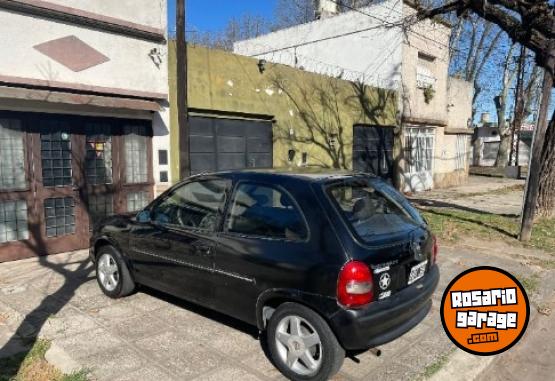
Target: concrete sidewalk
150	336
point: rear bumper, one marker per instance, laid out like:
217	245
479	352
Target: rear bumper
385	320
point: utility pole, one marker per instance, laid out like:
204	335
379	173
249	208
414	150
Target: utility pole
182	106
532	185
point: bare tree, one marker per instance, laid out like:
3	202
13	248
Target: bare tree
501	107
532	24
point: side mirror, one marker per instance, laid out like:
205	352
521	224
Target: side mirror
144	217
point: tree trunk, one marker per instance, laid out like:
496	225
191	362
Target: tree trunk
546	193
503	153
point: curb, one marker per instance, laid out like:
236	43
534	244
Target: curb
57	357
462	366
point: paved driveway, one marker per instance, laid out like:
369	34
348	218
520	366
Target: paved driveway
149	336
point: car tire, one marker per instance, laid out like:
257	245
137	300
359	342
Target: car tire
304	356
112	273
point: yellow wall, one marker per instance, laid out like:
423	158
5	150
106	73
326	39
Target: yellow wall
308	109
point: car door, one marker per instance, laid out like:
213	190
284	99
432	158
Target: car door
174	248
264	244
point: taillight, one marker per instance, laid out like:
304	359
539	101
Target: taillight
435	250
355	287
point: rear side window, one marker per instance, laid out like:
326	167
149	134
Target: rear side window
368	211
264	211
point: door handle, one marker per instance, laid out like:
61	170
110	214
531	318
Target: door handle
204	251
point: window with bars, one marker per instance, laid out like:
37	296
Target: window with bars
419	149
100	207
137	201
136	160
60	216
56	159
12	163
99	154
13	221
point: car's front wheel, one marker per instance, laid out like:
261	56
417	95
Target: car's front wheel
302	345
112	273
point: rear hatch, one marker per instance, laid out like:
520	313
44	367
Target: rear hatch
391	237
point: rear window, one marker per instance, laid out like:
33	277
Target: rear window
371	209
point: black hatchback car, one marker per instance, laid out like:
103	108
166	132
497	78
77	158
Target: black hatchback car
323	263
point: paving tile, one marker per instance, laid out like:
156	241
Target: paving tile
107	365
149	373
259	362
230	374
180	355
67	323
191	324
235	343
139	327
368	362
88	343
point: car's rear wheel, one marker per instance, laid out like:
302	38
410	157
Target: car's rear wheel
302	345
112	273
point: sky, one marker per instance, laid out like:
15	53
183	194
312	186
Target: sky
204	15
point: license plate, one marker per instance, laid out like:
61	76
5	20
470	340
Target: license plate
417	272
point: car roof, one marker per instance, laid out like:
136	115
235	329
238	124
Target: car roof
317	175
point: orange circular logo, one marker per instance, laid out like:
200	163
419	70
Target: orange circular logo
485	311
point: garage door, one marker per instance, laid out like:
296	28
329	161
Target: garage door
226	144
373	150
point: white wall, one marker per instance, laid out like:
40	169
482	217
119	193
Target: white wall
129	67
366	51
145	12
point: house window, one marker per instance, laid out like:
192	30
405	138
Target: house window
164	178
100	207
163	157
137	201
60	216
12	163
425	71
99	154
13	221
136	159
56	159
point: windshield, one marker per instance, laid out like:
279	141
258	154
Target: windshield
372	209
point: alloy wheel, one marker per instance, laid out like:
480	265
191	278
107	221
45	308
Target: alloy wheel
299	345
108	273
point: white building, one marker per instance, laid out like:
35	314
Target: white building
371	45
84	121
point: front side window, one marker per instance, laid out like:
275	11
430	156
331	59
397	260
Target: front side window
369	211
197	205
264	211
12	163
136	158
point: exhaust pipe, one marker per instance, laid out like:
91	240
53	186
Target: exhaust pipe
376	352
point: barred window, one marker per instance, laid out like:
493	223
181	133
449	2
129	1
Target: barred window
100	207
99	154
12	165
13	221
137	201
60	216
136	160
56	159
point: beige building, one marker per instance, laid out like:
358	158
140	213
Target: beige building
84	119
370	46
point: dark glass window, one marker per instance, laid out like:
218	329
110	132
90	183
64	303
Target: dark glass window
137	201
195	205
12	163
60	216
163	157
99	154
265	212
13	221
100	207
164	176
371	211
136	159
56	159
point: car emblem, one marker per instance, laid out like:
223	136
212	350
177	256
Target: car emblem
385	281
